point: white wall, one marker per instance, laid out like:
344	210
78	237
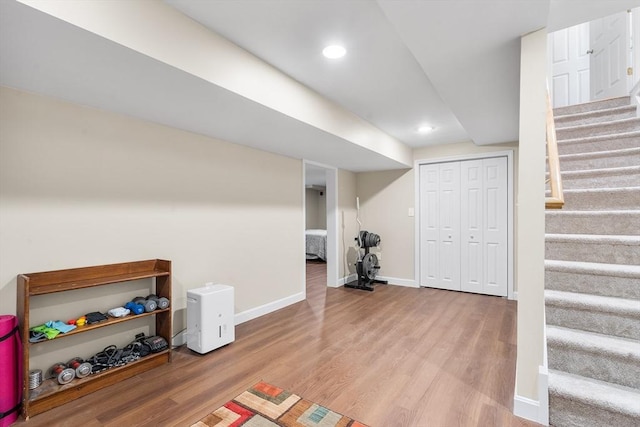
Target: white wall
347	226
82	187
530	210
315	209
311	209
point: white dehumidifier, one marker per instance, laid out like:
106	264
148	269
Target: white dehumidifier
210	317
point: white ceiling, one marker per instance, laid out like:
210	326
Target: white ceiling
451	64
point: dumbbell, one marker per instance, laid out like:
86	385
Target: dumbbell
134	307
161	302
62	373
81	367
149	305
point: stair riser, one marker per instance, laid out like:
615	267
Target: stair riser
570	413
600	162
567	121
600	366
614	143
592	106
602	323
608	253
608	286
581	223
599	129
600	201
600	181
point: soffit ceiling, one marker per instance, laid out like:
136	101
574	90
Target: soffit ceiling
451	64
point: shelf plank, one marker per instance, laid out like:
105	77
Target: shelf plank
47	288
50	394
110	321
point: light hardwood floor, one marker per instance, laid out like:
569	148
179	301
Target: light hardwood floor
393	357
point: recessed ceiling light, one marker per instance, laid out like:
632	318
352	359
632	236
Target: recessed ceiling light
334	51
425	129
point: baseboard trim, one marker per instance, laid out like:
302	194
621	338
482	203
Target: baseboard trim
345	280
410	283
535	410
270	307
526	408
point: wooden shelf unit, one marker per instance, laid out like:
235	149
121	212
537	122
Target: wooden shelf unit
50	394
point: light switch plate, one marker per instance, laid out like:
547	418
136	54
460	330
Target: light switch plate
411	212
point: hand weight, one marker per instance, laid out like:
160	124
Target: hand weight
135	308
162	302
149	305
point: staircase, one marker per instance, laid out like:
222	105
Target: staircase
592	268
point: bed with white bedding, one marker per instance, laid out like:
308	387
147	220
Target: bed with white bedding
316	244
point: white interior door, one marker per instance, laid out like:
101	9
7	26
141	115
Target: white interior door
429	225
440	225
495	226
471	226
570	81
610	45
464	226
449	225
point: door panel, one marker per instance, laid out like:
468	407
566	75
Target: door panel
429	225
569	65
439	225
610	43
450	225
471	226
495	226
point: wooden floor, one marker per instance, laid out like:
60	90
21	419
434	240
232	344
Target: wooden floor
393	357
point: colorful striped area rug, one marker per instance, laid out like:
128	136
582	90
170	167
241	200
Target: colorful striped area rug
264	405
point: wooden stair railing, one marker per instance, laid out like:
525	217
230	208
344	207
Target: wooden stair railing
556	200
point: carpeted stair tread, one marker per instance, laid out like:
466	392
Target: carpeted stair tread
595	268
601	357
611	249
602	198
620	404
601	159
615	280
608	128
601	104
594	343
622	306
607	177
595	116
617	317
618	222
614	141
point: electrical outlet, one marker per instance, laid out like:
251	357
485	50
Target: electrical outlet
412	212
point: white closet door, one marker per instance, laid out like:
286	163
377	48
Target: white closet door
495	225
440	225
463	226
429	225
449	226
471	226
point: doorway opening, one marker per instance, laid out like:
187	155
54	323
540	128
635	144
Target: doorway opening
321	219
